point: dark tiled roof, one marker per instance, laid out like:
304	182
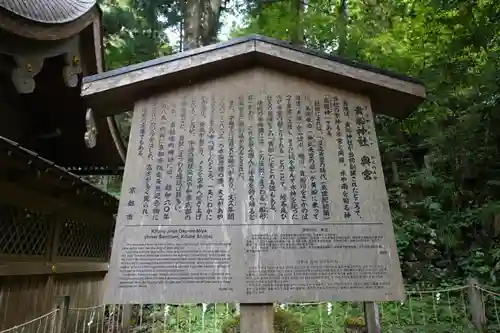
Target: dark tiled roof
37	162
48	11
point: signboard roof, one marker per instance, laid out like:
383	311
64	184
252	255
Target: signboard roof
142	80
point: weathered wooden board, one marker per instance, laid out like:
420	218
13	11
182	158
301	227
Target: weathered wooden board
140	81
254	187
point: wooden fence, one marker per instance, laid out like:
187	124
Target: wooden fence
461	309
24	297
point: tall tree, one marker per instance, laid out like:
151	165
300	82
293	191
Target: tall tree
134	31
201	22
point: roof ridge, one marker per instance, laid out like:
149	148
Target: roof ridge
248	38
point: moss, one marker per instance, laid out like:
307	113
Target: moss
284	322
354	325
355	321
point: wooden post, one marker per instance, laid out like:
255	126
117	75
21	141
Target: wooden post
126	317
62	304
257	318
372	320
476	305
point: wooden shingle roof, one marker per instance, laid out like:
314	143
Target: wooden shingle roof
48	11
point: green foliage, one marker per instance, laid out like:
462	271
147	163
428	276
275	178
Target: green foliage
134	31
420	313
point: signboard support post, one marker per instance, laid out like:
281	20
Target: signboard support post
257	318
476	305
61	319
372	320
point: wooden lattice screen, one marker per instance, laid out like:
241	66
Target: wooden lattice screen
83	240
23	233
27	235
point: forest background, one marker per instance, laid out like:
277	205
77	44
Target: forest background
441	165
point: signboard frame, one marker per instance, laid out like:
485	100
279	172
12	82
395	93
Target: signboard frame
254	187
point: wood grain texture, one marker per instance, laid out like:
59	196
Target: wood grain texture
344	70
142	80
41	268
212	210
257	318
50	11
46	32
23	298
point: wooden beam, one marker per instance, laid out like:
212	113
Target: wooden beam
38	268
32	172
13	194
135	82
46	32
37	49
70	190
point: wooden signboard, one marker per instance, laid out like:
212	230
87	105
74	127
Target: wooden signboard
253	187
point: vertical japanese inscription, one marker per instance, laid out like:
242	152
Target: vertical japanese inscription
190	168
304	210
351	160
199	147
312	153
342	141
325	198
231	164
200	179
131	194
168	189
289	167
271	154
252	215
179	171
146	201
292	173
160	160
282	157
211	160
263	210
221	143
241	137
142	131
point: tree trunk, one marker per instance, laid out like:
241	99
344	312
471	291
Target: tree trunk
201	22
342	27
210	22
297	34
192	23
